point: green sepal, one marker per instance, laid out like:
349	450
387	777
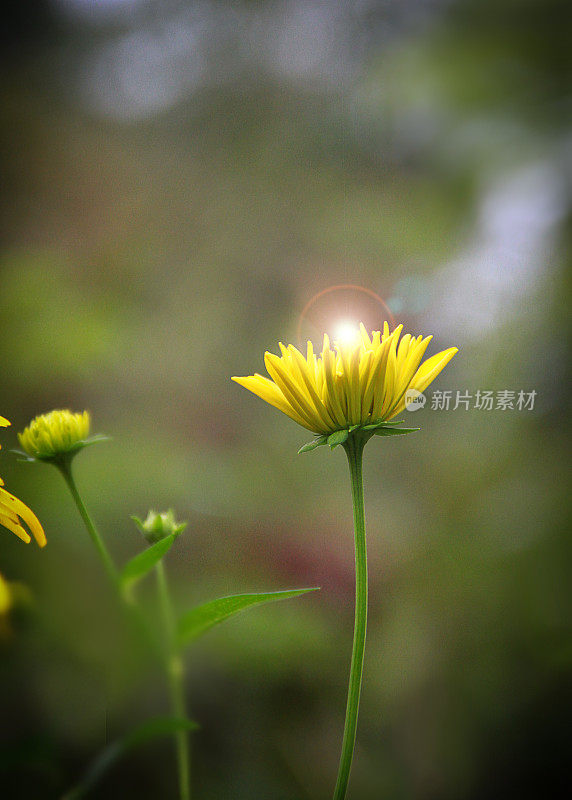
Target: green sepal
336	438
201	618
382	431
143	563
66	455
374	425
113	752
319	440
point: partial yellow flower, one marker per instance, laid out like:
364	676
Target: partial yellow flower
352	384
5	594
13	595
13	512
55	434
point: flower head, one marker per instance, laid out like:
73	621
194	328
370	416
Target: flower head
361	381
158	526
13	512
56	435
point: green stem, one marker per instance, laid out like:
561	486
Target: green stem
354	451
66	470
174	670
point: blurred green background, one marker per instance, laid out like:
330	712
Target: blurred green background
180	180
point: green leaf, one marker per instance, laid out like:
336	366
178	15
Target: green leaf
200	619
338	437
319	440
394	431
152	729
144	562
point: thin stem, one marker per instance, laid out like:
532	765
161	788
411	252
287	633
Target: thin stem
354	451
133	614
65	469
174	670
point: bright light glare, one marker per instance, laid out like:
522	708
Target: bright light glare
347	333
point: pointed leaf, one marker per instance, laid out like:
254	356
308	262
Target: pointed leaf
394	431
144	562
152	729
319	440
338	437
200	619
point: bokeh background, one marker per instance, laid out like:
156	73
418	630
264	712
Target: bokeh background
179	181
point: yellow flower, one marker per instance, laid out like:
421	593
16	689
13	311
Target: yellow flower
13	512
55	434
357	383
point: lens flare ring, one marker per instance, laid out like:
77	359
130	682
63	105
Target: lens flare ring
346	329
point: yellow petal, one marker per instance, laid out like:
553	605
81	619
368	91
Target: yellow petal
366	341
292	391
366	361
426	373
390	379
385	380
349	359
429	370
308	381
375	377
402	351
268	391
15	527
9	503
331	397
408	369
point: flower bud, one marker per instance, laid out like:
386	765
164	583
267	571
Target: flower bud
159	526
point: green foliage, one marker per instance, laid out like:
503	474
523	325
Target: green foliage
374	425
141	564
200	619
383	431
339	437
319	440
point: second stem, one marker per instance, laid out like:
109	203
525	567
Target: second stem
174	670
